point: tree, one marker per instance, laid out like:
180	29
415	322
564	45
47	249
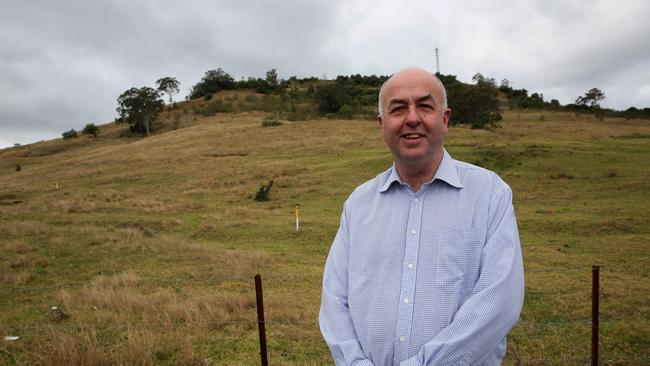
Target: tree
272	79
477	105
140	108
69	134
591	99
168	85
212	82
555	104
91	129
331	97
479	79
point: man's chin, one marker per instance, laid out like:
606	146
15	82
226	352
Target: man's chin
416	159
415	154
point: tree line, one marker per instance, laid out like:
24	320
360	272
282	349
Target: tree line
476	104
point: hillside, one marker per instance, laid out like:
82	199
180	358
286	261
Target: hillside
150	244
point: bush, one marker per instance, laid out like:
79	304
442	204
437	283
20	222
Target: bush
331	97
346	112
477	105
263	193
69	134
18	167
271	122
91	129
213	81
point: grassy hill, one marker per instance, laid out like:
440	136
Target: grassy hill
150	245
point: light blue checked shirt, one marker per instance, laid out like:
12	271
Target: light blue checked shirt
433	277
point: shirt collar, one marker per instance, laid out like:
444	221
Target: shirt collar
446	172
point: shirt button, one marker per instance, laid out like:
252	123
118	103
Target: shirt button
416	200
413	232
402	338
406	300
410	265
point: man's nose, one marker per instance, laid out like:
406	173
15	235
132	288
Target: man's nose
412	119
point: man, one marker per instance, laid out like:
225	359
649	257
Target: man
426	267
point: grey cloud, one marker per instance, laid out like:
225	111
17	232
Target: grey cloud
65	62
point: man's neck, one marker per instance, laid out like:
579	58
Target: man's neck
416	173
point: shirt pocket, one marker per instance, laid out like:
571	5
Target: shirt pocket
458	259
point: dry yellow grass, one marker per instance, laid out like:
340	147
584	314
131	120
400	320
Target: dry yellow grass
150	245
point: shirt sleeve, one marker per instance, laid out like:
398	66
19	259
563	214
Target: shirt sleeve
494	305
335	321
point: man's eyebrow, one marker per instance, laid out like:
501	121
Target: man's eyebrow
426	97
397	101
418	100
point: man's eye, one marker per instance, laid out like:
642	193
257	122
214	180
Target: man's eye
426	106
397	109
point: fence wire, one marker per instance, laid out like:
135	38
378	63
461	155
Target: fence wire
215	280
551	327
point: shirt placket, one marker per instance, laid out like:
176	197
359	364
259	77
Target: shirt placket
409	271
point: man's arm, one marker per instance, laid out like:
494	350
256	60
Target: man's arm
495	302
335	322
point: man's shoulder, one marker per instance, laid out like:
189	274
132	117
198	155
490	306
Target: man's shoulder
473	171
370	187
475	176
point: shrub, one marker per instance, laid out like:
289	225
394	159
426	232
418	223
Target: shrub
18	167
271	122
346	111
213	81
69	134
263	193
91	129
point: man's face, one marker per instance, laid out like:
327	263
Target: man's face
414	121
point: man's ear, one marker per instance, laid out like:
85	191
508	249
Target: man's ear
380	120
447	116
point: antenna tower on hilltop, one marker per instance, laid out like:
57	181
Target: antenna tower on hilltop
437	61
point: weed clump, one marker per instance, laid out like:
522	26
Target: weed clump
271	122
263	193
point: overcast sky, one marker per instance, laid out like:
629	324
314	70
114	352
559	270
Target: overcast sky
64	63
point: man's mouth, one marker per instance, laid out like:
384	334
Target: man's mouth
412	136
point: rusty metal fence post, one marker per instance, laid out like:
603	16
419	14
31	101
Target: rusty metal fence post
595	295
260	319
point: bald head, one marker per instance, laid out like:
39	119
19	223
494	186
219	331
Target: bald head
410	74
